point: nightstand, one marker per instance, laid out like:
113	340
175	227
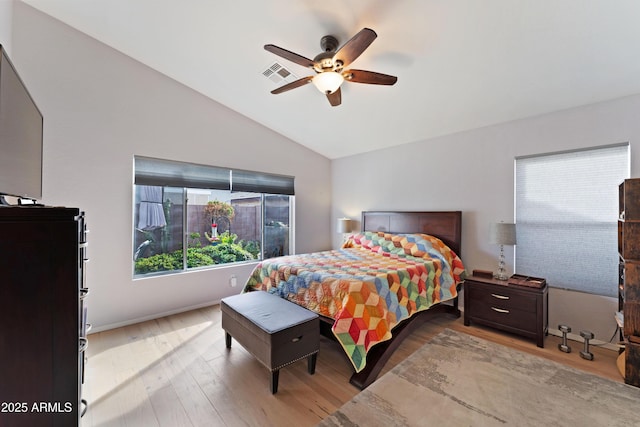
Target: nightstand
521	310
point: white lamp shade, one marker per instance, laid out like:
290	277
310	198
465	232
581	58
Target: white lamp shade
502	234
328	81
344	225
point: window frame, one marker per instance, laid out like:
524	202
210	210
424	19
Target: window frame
184	177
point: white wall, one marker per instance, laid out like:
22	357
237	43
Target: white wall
6	14
100	109
474	172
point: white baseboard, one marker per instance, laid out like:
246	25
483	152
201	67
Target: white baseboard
151	317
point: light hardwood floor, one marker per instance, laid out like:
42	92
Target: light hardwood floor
175	371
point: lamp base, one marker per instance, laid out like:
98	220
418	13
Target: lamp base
502	272
501	276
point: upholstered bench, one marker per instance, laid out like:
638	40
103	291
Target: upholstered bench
276	331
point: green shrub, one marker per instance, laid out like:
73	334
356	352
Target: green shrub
228	252
160	262
228	237
221	253
196	258
252	246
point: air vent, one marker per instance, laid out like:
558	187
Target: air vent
279	74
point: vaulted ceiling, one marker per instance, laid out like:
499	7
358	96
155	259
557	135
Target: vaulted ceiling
461	64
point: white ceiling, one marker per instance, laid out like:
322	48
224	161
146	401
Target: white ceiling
461	64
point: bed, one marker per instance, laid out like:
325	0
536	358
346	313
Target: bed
401	270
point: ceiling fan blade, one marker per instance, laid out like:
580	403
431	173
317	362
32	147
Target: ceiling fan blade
370	77
335	98
286	54
300	82
355	46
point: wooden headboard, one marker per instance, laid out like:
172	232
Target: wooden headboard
445	225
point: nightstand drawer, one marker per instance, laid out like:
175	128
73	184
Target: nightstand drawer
503	298
503	315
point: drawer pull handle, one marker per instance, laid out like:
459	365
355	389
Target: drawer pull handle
296	339
499	310
499	296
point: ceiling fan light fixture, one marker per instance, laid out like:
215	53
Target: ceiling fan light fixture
330	65
328	81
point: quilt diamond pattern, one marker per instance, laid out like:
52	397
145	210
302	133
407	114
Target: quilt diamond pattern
371	284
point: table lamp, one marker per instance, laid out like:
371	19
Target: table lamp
344	227
502	234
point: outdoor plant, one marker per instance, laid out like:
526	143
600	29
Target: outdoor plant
228	237
216	209
196	258
159	262
224	252
227	252
252	246
194	240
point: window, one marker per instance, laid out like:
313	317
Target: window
189	216
566	217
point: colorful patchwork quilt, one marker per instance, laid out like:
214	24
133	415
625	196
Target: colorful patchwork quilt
372	283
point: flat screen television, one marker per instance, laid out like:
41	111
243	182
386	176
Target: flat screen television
20	136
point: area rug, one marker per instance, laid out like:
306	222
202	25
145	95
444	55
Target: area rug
459	380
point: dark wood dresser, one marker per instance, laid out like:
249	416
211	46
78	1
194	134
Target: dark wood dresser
629	277
518	309
42	328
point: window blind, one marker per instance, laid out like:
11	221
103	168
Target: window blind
257	182
169	173
566	217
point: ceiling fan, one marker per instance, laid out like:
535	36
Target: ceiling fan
329	66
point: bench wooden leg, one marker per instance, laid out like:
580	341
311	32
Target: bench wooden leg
227	339
311	363
274	381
